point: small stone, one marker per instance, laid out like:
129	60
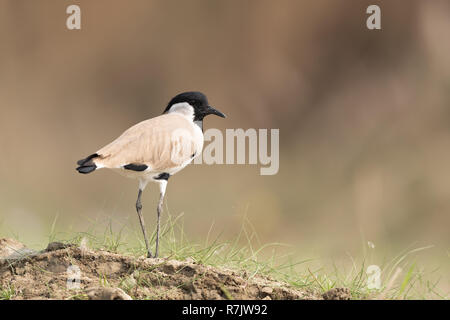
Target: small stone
267	290
13	249
53	246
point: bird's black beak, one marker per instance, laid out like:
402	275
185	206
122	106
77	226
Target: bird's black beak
211	110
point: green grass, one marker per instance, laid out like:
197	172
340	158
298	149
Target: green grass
401	276
7	293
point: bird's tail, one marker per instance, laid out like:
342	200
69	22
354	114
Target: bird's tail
87	165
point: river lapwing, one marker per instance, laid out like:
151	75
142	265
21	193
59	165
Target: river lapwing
156	149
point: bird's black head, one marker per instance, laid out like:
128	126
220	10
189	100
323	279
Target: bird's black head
197	101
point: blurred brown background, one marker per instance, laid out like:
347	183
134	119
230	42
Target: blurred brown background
363	117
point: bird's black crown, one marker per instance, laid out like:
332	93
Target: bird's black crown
198	101
194	98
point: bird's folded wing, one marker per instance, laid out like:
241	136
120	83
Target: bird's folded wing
161	143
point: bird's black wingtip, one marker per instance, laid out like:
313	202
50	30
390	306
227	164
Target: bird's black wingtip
87	161
87	165
86	169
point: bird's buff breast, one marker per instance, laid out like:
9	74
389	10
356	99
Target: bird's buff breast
189	146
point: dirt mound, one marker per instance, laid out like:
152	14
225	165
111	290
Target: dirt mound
70	272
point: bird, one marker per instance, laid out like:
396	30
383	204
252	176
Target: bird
155	149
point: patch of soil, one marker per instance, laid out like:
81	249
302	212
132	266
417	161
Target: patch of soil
337	294
70	272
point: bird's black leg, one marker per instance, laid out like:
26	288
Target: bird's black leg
141	220
162	189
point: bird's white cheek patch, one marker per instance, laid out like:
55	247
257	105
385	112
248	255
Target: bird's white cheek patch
184	109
